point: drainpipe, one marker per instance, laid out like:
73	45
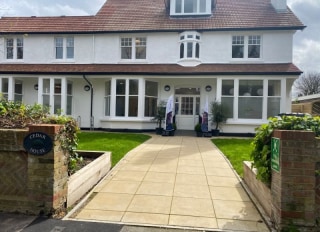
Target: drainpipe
91	104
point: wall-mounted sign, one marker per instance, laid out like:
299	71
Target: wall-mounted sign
38	143
275	154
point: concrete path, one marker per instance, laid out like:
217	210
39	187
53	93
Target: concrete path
180	182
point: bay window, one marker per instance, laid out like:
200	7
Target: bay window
190	45
251	99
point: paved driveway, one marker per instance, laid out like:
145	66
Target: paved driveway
178	181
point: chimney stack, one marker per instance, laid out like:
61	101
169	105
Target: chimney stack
279	5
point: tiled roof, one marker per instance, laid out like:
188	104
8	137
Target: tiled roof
151	15
150	69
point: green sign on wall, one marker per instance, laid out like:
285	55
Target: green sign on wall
275	154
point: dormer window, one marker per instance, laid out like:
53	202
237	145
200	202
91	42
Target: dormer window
190	7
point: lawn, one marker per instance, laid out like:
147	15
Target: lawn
236	150
118	143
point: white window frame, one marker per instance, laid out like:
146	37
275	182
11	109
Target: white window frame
246	45
133	43
65	45
17	42
173	10
265	98
187	38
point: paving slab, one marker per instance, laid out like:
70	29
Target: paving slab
172	182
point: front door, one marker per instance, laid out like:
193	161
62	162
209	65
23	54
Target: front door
187	109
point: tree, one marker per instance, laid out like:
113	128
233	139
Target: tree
308	84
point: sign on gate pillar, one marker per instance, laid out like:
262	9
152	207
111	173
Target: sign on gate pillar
275	154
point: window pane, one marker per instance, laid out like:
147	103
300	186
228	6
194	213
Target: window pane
274	88
202	6
108	88
181	50
57	86
46	86
126	48
237	46
254	47
69	105
151	88
250	88
70	48
197	50
189	50
150	106
120	106
186	105
227	87
107	106
18	87
273	106
18	97
190	6
69	88
250	107
133	87
19	48
133	106
228	102
5	85
57	104
121	87
46	101
178	6
9	48
59	47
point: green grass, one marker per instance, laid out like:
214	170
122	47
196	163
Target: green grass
118	143
236	150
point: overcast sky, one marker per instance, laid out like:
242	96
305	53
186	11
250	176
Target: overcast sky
306	52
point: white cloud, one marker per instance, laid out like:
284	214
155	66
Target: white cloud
306	55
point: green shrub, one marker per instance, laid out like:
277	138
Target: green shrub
19	115
261	153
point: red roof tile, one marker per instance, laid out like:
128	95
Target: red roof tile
151	69
151	15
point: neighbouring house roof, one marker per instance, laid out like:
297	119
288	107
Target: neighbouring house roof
150	69
152	15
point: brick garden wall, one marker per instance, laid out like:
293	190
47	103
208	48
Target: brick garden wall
295	188
31	184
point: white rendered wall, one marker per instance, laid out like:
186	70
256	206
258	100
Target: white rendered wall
215	47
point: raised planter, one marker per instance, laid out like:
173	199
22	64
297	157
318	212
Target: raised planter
83	180
261	191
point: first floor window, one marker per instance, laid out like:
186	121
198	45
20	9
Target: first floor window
14	48
190	45
247	47
151	99
64	47
134	48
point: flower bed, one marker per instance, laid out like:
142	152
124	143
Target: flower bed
83	180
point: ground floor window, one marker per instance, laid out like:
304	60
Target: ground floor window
107	98
251	99
127	97
11	89
57	95
150	99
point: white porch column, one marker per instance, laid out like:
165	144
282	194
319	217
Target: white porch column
10	88
64	95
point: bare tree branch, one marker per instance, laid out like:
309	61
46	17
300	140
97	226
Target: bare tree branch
308	84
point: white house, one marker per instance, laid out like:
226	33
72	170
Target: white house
118	64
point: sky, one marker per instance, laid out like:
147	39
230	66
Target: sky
306	44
